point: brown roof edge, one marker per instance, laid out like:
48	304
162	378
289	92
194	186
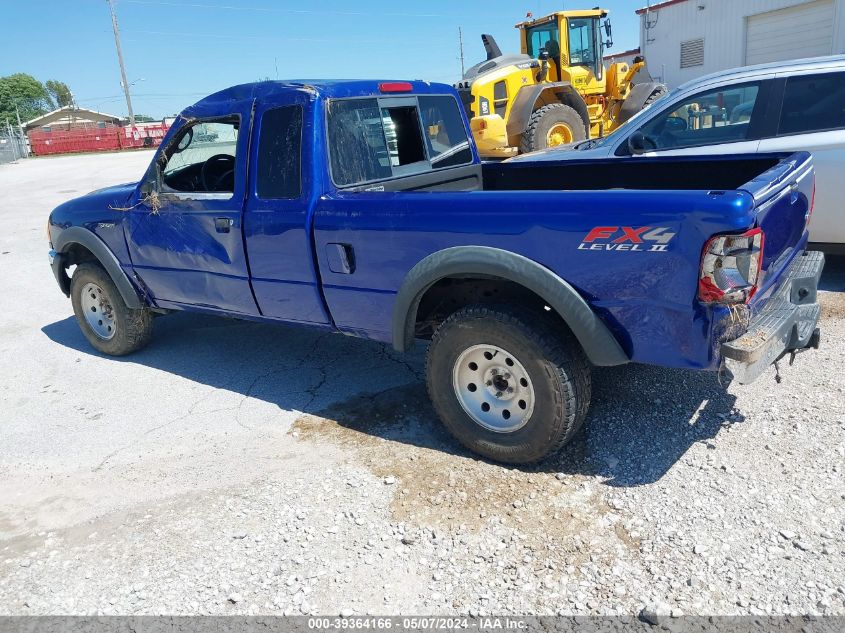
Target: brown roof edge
58	113
633	51
659	5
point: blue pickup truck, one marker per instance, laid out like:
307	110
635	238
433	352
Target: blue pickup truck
361	207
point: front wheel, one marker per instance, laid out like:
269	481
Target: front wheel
505	384
551	125
105	320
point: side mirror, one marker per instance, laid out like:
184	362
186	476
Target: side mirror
608	29
639	143
183	143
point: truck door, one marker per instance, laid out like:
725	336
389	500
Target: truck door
190	249
278	211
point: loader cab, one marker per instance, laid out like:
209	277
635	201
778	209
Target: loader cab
574	44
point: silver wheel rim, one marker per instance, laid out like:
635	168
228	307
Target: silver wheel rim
98	311
493	388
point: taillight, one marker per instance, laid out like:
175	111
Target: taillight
730	267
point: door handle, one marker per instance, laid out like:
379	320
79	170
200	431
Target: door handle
341	258
222	225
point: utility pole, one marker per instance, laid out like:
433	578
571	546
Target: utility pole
18	115
124	83
461	45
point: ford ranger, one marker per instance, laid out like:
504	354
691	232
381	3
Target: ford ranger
361	207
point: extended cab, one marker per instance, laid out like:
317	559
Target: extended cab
362	207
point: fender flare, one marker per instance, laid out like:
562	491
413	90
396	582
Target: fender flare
523	105
599	344
84	237
636	99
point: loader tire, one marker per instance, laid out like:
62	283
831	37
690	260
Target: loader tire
550	125
507	384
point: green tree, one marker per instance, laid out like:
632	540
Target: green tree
144	118
60	92
27	93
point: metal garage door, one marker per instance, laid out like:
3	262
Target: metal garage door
805	30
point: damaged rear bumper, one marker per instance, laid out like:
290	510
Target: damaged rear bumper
786	323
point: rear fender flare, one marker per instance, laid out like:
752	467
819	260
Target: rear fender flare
84	237
526	102
599	344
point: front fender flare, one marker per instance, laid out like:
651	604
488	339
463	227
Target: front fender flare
599	344
84	237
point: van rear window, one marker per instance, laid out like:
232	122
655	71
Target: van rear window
373	139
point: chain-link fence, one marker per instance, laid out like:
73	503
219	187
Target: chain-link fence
13	145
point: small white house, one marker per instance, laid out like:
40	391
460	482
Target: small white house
684	39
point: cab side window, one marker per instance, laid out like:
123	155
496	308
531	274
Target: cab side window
722	115
278	173
813	103
202	158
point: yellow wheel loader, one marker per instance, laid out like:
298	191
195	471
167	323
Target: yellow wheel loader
557	90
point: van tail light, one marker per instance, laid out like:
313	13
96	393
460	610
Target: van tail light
730	267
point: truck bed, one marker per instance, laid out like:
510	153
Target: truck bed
706	173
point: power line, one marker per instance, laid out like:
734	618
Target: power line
228	7
220	36
259	38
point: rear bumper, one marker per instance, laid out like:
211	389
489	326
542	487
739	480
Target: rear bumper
786	323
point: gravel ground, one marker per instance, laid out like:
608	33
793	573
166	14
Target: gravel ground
234	467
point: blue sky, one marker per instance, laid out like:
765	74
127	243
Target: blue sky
185	49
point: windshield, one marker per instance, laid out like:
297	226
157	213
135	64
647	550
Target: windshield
628	125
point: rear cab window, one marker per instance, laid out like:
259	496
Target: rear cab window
376	139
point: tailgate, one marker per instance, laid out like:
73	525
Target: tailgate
783	198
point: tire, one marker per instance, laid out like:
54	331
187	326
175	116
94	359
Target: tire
655	95
555	393
112	328
544	120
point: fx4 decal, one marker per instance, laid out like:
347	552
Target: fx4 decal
627	238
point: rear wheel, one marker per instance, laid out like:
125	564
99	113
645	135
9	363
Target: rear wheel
505	384
105	320
551	125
